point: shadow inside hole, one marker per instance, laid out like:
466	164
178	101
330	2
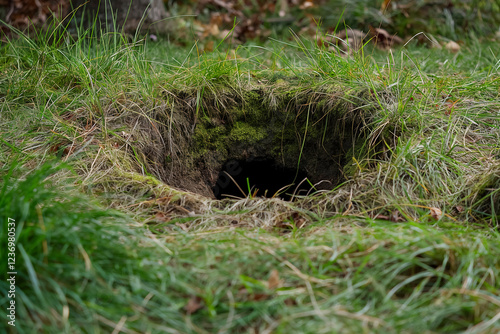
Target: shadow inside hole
265	178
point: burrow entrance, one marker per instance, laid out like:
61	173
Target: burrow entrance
236	145
260	176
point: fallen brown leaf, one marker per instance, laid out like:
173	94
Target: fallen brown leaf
383	217
68	150
452	46
284	226
350	39
307	4
194	304
385	4
450	107
274	280
396	218
209	46
54	148
436	213
161	217
298	220
258	297
383	39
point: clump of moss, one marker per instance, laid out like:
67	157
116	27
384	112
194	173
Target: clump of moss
244	132
209	138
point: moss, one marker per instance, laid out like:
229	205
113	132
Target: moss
160	189
244	132
146	179
253	96
209	138
280	82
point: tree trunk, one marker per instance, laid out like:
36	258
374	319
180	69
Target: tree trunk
115	15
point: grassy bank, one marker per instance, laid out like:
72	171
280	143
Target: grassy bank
96	132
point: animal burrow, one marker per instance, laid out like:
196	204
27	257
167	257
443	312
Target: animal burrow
260	176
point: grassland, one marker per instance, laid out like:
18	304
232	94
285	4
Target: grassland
407	243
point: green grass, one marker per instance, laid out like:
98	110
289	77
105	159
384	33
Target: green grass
104	246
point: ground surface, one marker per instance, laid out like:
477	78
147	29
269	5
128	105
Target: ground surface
110	151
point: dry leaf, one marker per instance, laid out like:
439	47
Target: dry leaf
161	217
69	116
232	54
396	218
183	226
224	34
436	213
284	226
68	150
24	13
350	39
298	220
274	280
450	106
165	200
217	19
385	4
301	222
383	39
452	46
307	4
55	148
209	46
258	297
193	305
382	217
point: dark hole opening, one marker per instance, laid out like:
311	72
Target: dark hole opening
265	178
